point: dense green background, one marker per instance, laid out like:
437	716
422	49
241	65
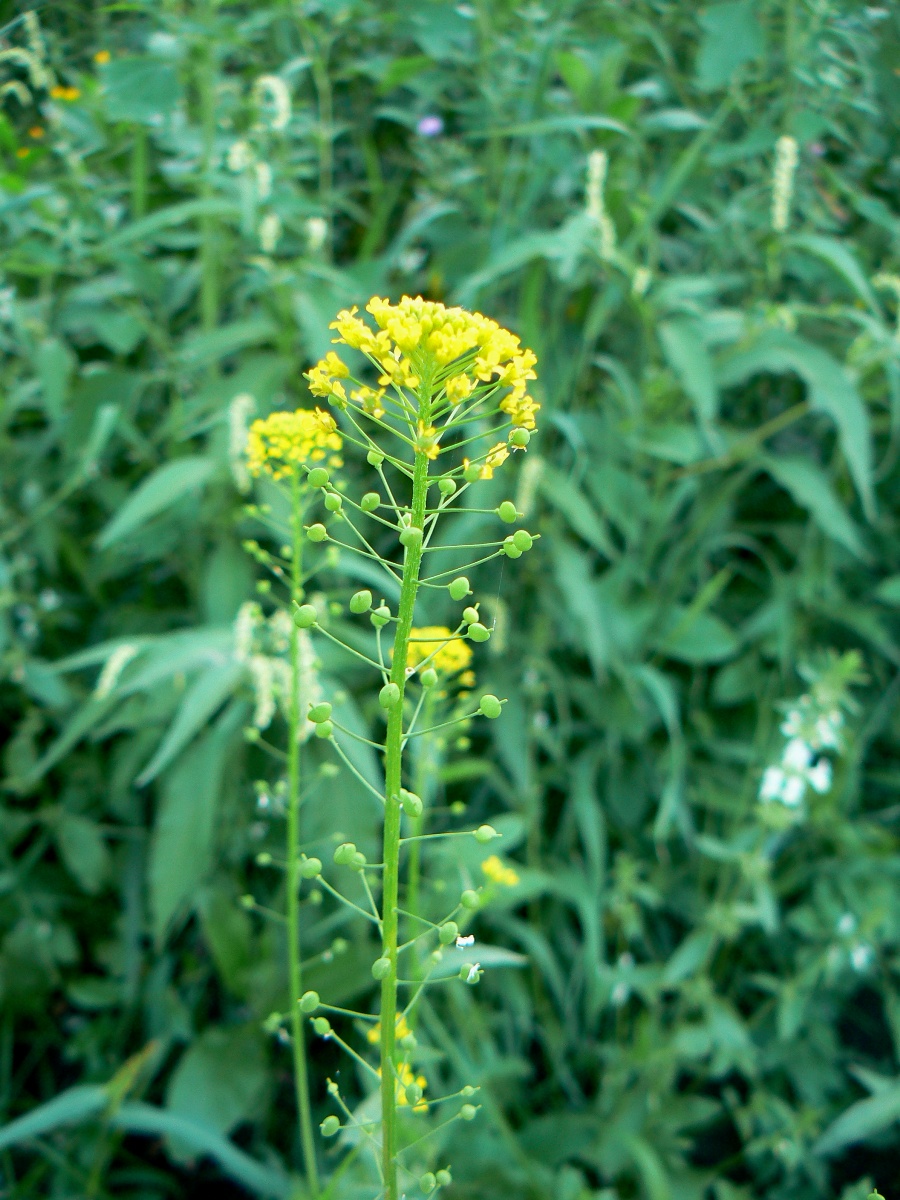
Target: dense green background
690	1022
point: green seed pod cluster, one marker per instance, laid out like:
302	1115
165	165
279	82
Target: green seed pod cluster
447	487
470	899
470	615
319	712
519	438
448	933
324	730
322	1026
472	473
389	696
411	537
330	1126
361	602
374	458
444	1178
305	616
317	532
311	868
507	512
428	1182
380	616
317	477
490	707
344	853
309	1002
370	502
478	632
468	1112
459	588
333	502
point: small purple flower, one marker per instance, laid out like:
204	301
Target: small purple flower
430	126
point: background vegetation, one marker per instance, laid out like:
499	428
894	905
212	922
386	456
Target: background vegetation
710	1004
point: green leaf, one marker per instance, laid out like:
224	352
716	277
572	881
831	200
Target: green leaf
688	958
176	214
83	850
139	88
201	702
566	497
809	487
888	591
831	391
861	1121
159	491
73	1106
704	638
688	357
732	38
838	255
202	349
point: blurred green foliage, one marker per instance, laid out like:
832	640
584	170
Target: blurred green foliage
711	1001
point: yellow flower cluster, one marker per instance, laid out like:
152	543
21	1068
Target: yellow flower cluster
405	1076
495	457
451	654
284	441
496	872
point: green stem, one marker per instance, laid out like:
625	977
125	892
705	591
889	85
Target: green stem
301	1072
391	858
209	275
139	173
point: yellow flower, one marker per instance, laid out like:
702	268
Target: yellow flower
370	400
284	441
495	457
496	872
402	1030
102	56
23	152
451	654
36	132
405	1076
59	92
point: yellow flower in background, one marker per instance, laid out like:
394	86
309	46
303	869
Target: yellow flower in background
451	654
23	152
60	92
284	441
402	1030
102	56
497	872
36	132
405	1076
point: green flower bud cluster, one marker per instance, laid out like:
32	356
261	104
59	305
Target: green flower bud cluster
517	543
435	1179
319	714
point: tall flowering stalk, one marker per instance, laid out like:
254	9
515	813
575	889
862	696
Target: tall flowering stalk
444	403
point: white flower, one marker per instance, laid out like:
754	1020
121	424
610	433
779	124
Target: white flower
240	156
263	685
249	617
783	182
773	781
269	232
595	202
465	940
861	956
113	668
316	233
797	755
827	731
474	972
819	776
263	173
240	410
793	790
640	281
847	924
271	93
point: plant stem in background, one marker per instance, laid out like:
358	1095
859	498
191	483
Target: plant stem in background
298	1034
393	777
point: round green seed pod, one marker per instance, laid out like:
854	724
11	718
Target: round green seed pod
470	899
344	853
507	512
472	473
319	712
333	502
370	502
519	438
470	615
381	968
459	588
485	833
322	1026
374	458
412	804
324	730
468	1091
523	540
317	477
447	486
478	633
317	532
411	537
311	868
309	1002
389	695
380	616
510	549
428	1182
361	602
448	933
468	1112
330	1126
428	678
305	616
490	707
357	862
444	1178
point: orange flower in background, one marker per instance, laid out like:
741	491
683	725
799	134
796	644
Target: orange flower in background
36	131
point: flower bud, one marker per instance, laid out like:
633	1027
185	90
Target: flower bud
468	1112
344	853
428	678
389	695
412	804
444	1178
305	616
380	616
311	868
448	933
322	1026
459	588
330	1125
447	486
485	833
317	532
411	537
478	633
370	502
309	1002
470	615
507	512
324	730
470	899
319	712
522	540
374	458
428	1182
264	859
519	438
317	477
361	602
333	502
490	707
510	549
381	968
